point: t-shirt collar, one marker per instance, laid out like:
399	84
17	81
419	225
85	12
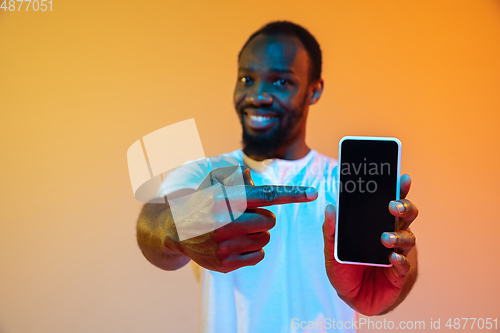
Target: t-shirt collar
262	166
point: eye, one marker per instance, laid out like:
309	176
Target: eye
246	80
281	83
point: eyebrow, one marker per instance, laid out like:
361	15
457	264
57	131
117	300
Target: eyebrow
276	70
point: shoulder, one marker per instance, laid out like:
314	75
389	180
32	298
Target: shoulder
327	159
234	157
192	173
322	162
324	170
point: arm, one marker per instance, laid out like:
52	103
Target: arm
156	235
236	244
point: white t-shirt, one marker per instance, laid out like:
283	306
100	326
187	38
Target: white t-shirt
288	291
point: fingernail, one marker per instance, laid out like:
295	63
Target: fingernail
396	257
399	206
311	193
389	238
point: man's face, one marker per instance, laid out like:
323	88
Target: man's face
271	94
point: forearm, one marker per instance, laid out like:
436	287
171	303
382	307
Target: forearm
410	280
155	239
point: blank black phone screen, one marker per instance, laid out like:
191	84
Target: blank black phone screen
368	181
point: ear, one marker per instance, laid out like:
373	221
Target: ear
316	91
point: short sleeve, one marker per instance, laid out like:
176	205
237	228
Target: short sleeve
191	174
188	176
330	178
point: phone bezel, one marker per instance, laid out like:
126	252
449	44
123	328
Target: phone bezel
398	187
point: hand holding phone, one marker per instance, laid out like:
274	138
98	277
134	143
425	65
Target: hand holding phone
368	179
372	287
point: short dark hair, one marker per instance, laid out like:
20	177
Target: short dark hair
306	38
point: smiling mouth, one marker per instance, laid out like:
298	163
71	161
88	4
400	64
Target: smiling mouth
260	121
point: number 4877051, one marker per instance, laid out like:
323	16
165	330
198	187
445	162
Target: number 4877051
34	5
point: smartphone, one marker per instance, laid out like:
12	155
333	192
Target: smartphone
368	178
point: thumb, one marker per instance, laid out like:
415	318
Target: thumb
329	230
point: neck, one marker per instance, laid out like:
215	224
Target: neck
294	150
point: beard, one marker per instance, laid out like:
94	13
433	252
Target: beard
265	145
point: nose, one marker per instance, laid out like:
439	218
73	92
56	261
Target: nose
257	97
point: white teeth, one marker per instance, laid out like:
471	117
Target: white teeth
259	118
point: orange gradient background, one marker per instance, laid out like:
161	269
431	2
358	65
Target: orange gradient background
80	84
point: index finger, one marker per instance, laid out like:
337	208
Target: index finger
405	210
405	186
268	195
233	175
